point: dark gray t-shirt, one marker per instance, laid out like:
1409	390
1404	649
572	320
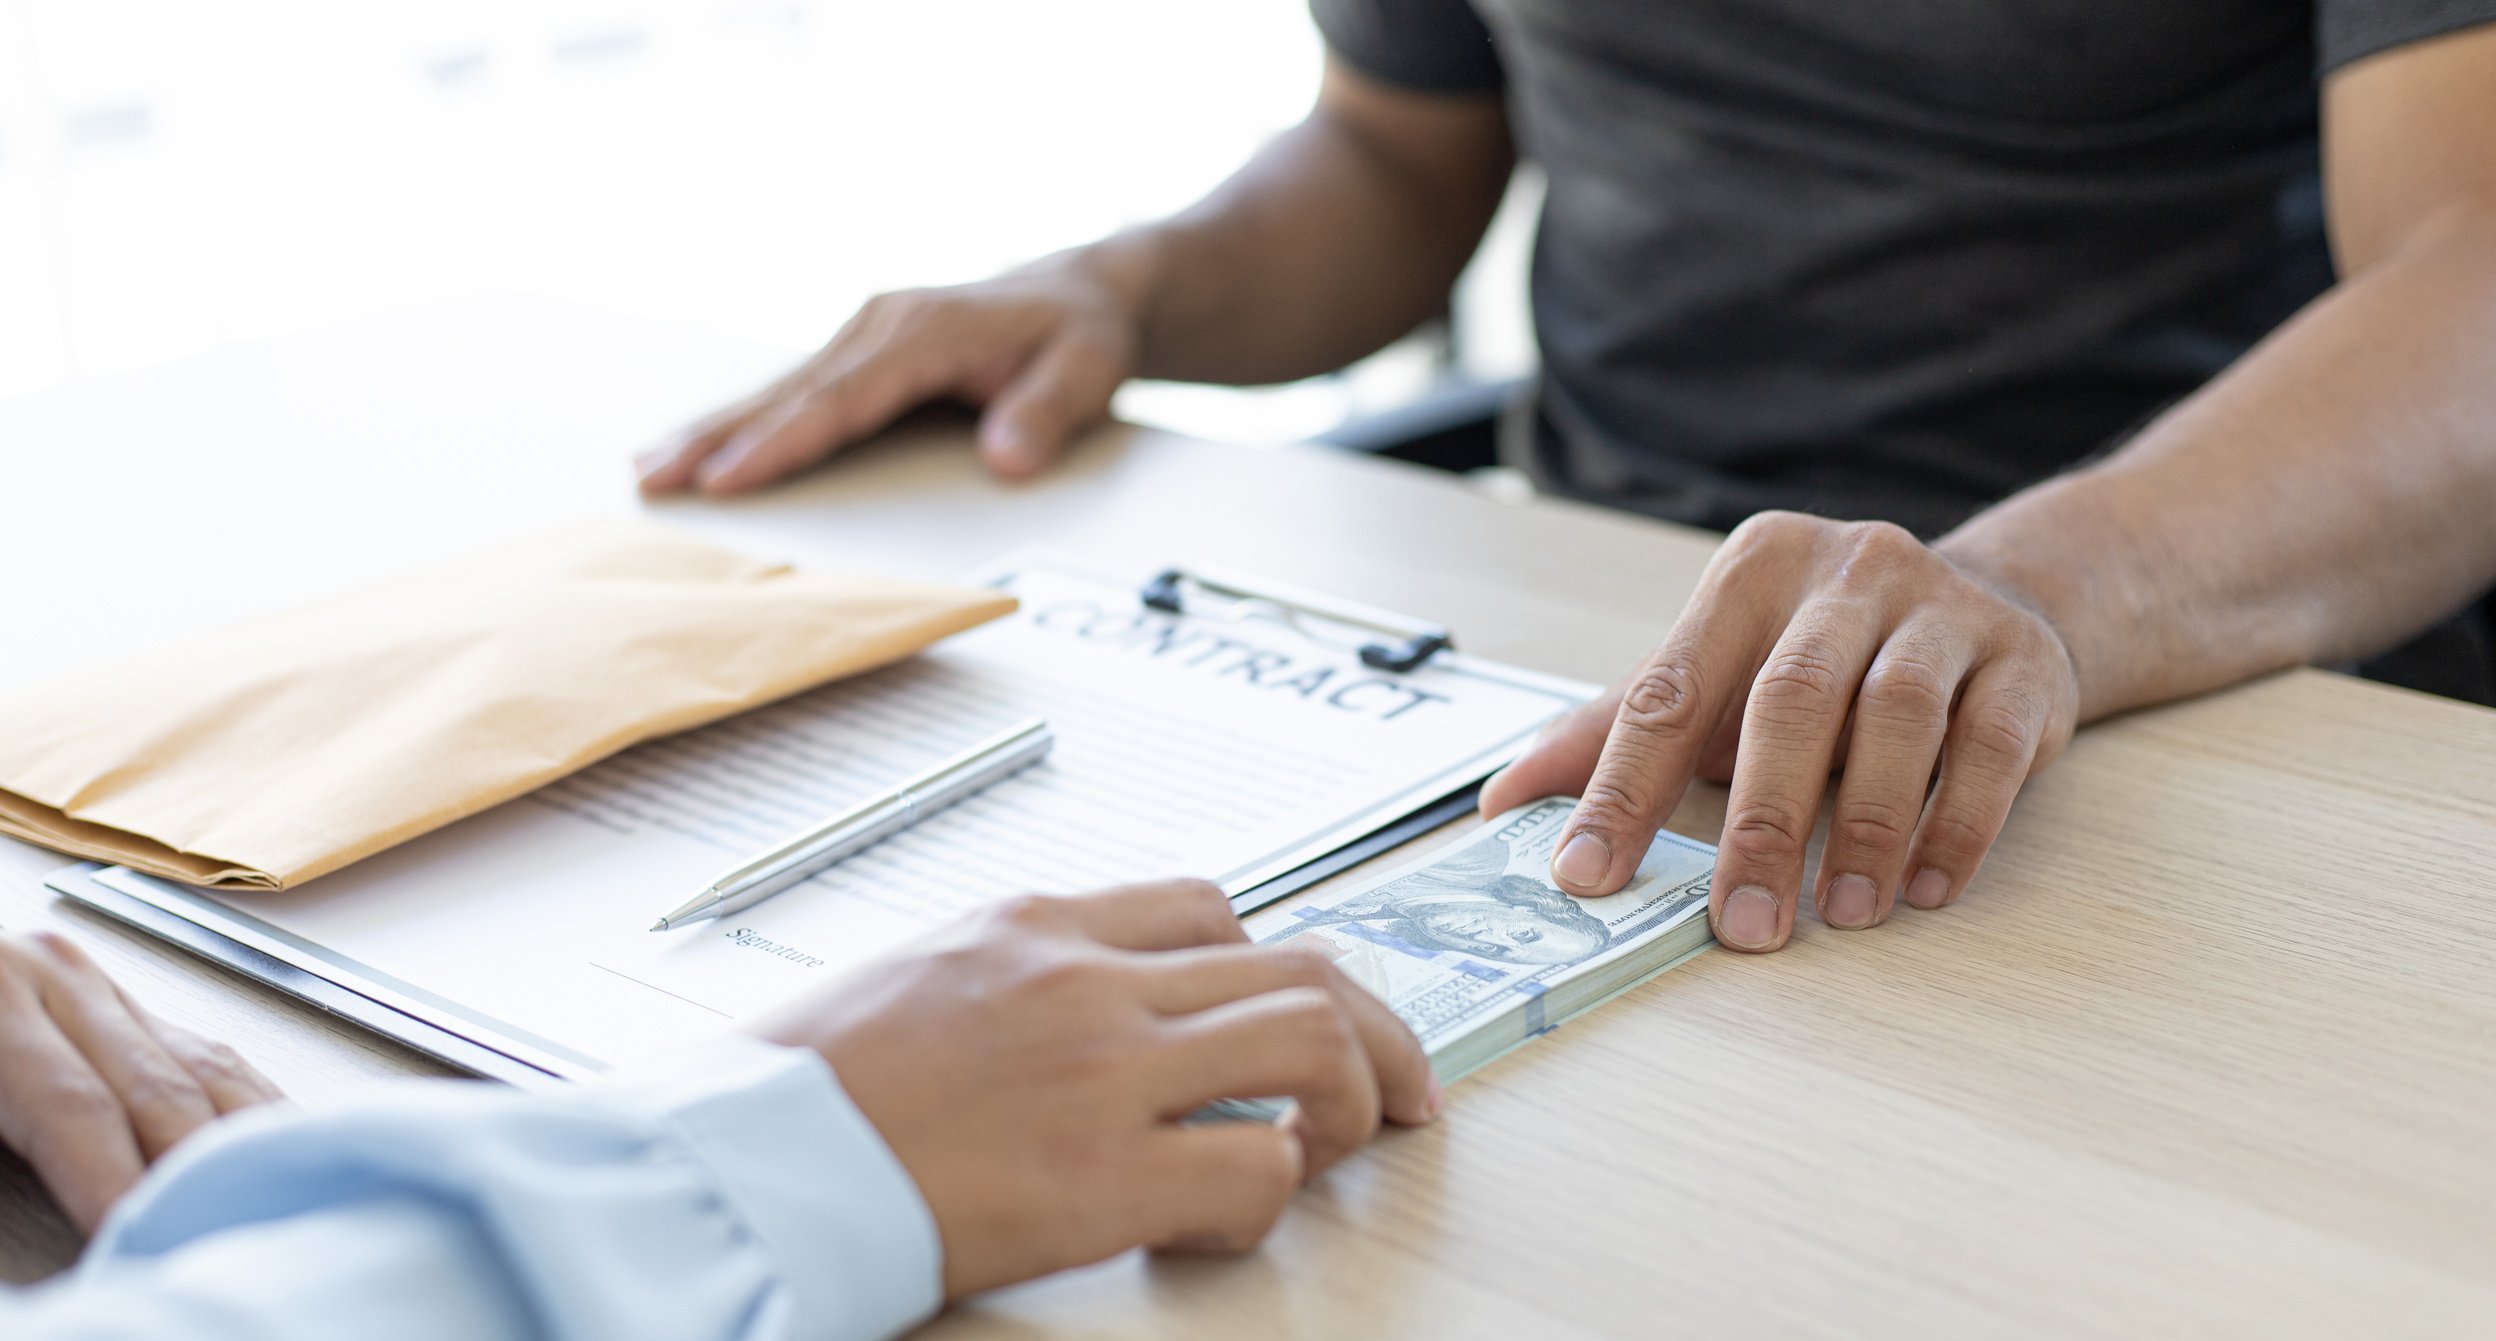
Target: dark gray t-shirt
1890	260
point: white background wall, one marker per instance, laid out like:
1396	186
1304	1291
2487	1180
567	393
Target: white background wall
176	173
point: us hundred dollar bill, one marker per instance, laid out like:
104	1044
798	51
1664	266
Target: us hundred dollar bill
1478	951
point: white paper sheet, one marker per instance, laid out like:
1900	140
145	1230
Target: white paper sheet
1229	749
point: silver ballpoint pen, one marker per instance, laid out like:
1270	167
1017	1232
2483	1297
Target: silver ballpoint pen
870	821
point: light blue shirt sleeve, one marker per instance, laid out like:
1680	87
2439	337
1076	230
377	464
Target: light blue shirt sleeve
737	1195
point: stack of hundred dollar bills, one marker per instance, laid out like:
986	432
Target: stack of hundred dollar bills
1478	951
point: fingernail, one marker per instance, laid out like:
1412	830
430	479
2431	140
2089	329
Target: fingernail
1008	447
716	466
1852	902
1583	862
1749	921
1432	1100
1929	889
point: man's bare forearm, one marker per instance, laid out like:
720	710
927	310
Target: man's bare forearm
1338	238
2331	494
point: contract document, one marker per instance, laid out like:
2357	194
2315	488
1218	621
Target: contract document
1220	744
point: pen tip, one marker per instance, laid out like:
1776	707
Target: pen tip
660	925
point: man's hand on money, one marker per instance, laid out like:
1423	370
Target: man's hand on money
1031	1069
1810	644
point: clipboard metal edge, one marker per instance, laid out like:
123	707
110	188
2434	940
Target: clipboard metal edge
78	885
1377	842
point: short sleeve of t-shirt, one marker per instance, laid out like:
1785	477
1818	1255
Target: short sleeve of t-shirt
2346	30
1434	46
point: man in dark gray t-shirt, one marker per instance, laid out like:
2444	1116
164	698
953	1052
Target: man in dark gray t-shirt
1890	261
2045	358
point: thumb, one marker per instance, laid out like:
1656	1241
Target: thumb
1558	763
1064	390
1223	1185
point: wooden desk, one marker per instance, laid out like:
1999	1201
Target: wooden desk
2210	1049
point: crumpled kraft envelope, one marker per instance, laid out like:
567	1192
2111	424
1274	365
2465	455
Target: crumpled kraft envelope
279	751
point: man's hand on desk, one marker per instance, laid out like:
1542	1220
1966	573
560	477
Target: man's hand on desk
1810	644
92	1088
1032	1068
1040	350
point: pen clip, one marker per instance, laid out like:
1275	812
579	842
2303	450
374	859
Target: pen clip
1416	641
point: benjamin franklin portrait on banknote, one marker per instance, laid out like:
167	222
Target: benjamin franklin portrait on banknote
1473	905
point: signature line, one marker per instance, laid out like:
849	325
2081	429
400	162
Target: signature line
662	991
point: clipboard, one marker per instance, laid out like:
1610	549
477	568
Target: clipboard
475	1052
479	1043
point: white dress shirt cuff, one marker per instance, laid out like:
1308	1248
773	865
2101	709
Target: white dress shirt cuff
811	1176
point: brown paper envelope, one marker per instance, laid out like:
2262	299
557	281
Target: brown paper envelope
276	752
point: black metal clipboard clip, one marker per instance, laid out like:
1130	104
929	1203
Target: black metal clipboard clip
1180	591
